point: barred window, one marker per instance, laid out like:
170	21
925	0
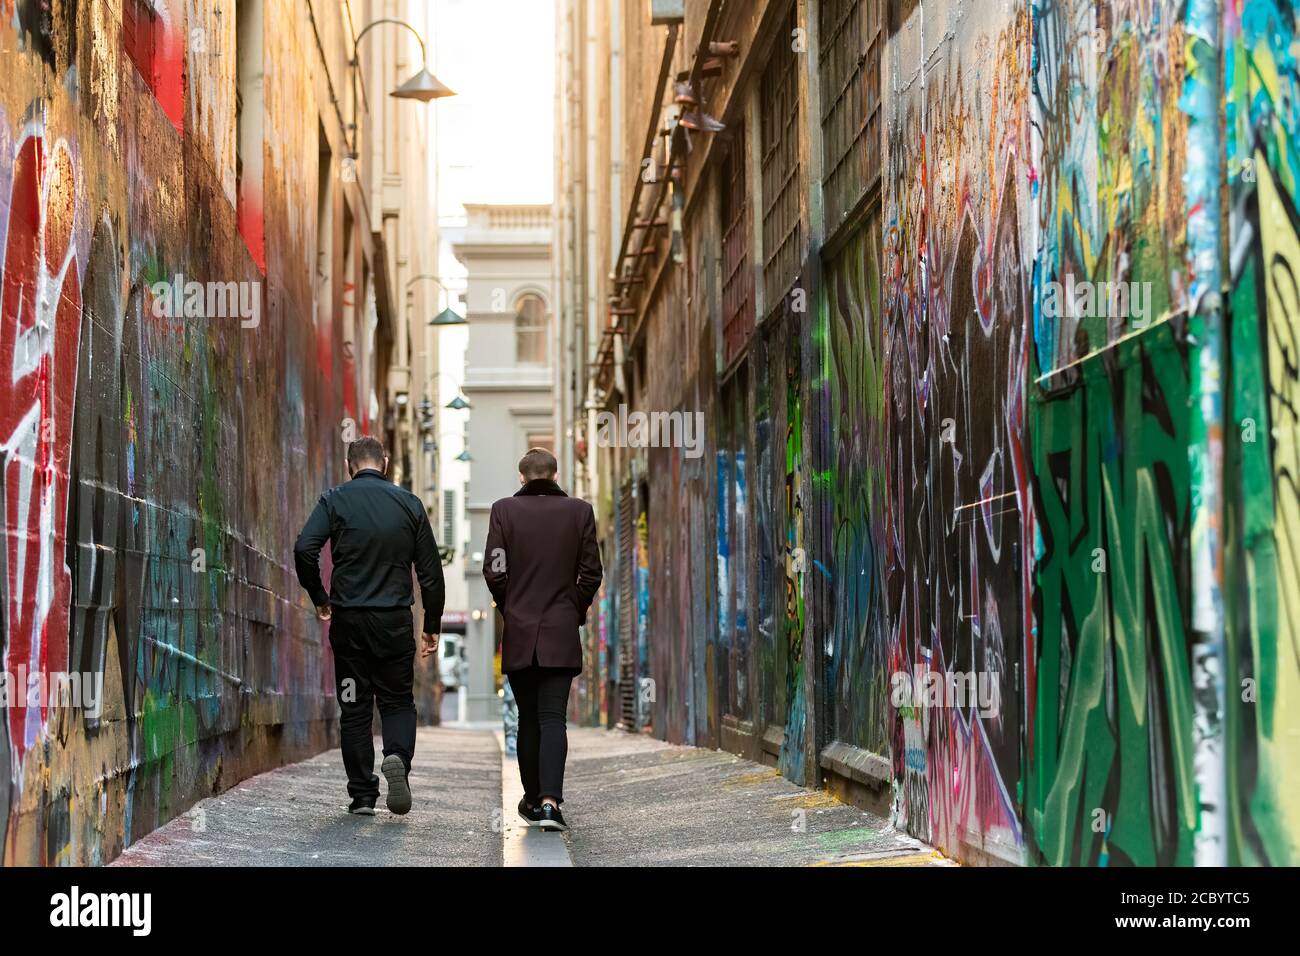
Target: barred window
779	112
737	276
851	40
448	518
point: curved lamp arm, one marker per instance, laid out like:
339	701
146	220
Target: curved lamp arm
424	56
433	278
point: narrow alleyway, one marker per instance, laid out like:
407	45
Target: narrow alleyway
294	816
922	378
641	802
632	801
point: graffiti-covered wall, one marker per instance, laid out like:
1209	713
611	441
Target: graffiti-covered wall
952	346
1089	498
152	443
1261	397
1090	492
1109	696
992	315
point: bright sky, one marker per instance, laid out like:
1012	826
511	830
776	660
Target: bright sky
494	144
495	137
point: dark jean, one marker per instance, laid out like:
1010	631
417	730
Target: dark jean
374	649
543	696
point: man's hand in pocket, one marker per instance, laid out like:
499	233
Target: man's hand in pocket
429	646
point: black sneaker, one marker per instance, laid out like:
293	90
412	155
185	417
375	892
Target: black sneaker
362	807
551	818
532	815
399	791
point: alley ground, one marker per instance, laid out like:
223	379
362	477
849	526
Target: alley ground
631	801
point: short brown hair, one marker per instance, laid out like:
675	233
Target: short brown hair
537	463
366	450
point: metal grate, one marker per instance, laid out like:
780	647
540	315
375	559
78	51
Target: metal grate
738	278
627	607
851	40
449	518
779	112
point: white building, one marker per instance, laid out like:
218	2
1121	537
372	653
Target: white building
506	251
452	529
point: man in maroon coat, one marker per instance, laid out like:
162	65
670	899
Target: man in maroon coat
542	565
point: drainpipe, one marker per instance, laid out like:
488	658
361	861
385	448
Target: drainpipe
595	460
1206	249
595	300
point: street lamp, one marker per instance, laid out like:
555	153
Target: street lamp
423	86
447	316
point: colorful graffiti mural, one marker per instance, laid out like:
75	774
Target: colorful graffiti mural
851	340
952	350
1262	673
142	553
1037	436
795	696
1110	696
40	319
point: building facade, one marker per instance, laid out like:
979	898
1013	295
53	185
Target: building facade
452	528
506	251
992	518
398	160
202	264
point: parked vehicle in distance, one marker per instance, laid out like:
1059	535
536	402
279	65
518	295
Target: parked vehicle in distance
451	661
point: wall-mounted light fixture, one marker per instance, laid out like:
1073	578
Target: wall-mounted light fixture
423	86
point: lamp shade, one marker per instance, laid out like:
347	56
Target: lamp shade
448	316
424	86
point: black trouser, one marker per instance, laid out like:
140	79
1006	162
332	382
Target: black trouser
374	660
543	696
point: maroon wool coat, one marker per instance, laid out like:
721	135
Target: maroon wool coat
542	565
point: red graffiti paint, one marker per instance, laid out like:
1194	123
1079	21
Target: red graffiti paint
252	225
40	321
153	35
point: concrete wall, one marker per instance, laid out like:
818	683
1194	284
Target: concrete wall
154	470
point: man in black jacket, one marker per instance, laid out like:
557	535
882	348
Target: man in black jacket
376	531
542	565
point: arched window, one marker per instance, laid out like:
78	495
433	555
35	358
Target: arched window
531	330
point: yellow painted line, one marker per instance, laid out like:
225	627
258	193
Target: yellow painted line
749	779
911	859
813	800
